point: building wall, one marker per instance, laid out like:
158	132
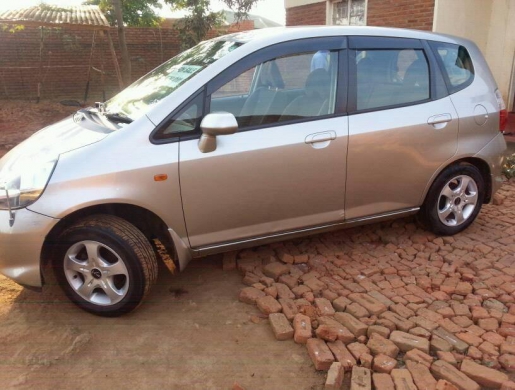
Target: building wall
66	54
307	14
490	24
415	14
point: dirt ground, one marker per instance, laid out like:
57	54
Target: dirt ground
200	339
192	333
19	120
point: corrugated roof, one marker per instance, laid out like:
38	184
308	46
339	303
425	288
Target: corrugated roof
47	15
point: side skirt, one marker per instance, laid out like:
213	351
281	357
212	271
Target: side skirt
255	241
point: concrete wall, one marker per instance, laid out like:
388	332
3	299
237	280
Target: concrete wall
489	23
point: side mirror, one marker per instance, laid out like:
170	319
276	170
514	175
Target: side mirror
216	123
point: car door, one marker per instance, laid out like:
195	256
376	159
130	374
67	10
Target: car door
284	168
402	125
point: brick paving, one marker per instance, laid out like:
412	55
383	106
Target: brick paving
394	303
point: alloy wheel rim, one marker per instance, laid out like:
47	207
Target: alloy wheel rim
457	201
96	273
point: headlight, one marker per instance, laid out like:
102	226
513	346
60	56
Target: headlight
24	184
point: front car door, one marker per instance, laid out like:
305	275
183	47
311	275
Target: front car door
402	125
285	167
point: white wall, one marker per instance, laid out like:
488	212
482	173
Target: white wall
489	23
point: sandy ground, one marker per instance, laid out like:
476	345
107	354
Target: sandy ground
192	333
200	339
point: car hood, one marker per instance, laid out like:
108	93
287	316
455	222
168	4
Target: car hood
53	140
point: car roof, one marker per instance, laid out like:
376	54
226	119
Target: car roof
301	32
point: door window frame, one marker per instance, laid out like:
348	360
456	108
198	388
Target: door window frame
338	44
437	86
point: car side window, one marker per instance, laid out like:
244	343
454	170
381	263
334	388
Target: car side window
183	121
287	88
391	77
456	63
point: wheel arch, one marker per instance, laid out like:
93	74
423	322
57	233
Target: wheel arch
479	163
150	224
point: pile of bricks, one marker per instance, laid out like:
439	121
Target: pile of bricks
392	306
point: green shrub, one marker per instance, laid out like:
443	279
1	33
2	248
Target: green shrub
509	167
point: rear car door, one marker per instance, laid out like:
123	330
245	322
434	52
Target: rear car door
402	125
284	169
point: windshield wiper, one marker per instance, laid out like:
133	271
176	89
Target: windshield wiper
117	117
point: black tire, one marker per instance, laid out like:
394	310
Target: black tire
429	216
116	240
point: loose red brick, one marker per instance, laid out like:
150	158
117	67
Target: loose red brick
406	342
507	362
342	354
268	305
402	380
470	338
401	323
384	363
341	303
443	370
361	378
483	375
357	349
320	354
302	328
280	326
447	357
334	377
488	324
382	382
381	330
324	307
250	295
356	327
274	270
421	375
373	306
445	385
418	356
440	345
378	344
508	385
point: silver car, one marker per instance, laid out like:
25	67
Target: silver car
246	139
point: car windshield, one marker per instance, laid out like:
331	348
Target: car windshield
139	97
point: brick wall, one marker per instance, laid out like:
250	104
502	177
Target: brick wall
415	14
311	14
66	54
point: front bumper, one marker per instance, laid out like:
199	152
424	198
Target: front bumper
21	245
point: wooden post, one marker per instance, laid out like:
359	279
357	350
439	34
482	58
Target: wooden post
89	66
102	68
115	60
40	77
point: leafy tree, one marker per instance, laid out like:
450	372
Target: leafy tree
200	19
193	28
140	13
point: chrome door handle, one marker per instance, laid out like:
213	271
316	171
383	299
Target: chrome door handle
320	137
439	119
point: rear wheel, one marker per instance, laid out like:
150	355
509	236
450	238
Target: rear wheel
105	265
454	200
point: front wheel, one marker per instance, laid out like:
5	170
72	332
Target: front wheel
454	200
105	265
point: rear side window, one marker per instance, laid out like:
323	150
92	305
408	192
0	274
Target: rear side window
456	63
391	77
